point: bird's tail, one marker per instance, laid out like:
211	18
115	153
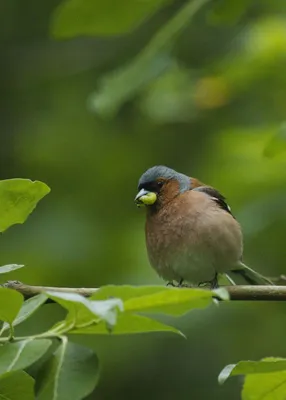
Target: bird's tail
250	276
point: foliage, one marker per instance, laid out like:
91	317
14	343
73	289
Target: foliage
17	385
70	370
265	379
203	85
18	199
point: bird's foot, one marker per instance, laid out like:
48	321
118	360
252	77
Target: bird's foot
184	284
179	284
213	283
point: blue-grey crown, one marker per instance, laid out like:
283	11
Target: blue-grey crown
160	171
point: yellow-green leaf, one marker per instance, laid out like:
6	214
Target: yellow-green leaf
267	386
18	198
28	308
125	292
10	304
127	324
267	365
160	299
174	301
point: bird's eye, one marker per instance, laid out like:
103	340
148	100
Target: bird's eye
160	183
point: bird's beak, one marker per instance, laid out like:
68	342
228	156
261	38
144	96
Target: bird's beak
145	198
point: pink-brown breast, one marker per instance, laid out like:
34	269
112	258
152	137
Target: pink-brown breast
191	238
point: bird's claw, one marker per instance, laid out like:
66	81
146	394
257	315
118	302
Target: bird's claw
213	283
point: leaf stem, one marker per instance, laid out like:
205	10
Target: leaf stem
46	335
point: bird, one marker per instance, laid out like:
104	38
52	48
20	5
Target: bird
192	237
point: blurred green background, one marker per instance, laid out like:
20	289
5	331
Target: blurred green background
78	113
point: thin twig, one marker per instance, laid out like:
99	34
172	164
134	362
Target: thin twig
29	291
239	292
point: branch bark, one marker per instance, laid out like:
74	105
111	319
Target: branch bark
236	293
29	291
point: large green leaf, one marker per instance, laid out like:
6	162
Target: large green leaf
158	299
82	311
125	292
266	365
127	324
9	268
19	355
174	301
18	198
28	308
10	304
17	386
265	379
71	373
271	386
101	17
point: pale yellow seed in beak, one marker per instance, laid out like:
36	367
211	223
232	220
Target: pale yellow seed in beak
145	198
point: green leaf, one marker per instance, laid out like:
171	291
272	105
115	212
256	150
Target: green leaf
22	354
28	308
158	299
127	324
270	386
10	267
125	292
71	373
18	198
101	17
17	386
84	311
10	304
277	143
173	301
267	365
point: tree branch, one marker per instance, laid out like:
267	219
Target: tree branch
257	293
29	291
241	293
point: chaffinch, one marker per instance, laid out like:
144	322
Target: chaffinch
191	234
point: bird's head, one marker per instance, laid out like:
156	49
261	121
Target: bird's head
159	185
